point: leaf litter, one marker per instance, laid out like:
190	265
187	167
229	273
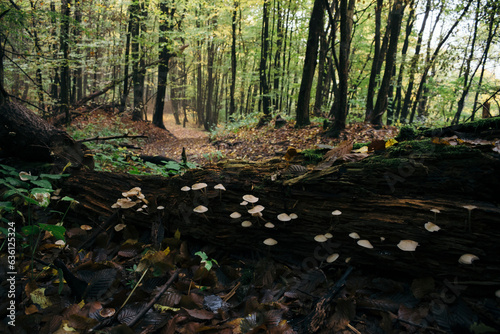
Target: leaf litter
238	295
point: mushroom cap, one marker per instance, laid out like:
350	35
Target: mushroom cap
119	227
198	186
435	211
86	227
125	203
270	242
467	258
185	188
365	243
320	238
336	213
160	207
200	209
284	217
328	235
269	225
246	223
293	216
235	215
332	257
469	207
132	192
256	209
354	235
24	176
250	198
219	187
244	203
431	227
407	245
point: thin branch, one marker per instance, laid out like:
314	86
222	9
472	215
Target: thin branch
112	137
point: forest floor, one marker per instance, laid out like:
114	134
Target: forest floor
246	142
242	293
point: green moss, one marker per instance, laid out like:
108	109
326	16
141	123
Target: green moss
313	156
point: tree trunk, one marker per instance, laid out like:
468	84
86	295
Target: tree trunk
340	106
232	106
395	27
65	78
375	71
264	84
165	56
316	26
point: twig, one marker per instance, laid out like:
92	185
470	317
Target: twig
97	138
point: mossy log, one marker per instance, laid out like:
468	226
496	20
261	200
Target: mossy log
384	199
25	135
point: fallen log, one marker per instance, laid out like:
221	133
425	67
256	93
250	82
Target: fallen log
25	135
383	199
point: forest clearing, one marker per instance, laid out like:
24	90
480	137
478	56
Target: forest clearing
250	166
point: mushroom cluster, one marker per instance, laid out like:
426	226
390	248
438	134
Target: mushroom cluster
130	199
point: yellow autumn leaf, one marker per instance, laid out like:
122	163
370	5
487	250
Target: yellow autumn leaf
390	142
363	149
177	234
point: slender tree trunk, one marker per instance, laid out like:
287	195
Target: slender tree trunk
428	65
232	106
414	64
209	119
65	78
126	83
316	26
468	76
322	75
382	97
492	29
340	106
165	55
137	113
404	50
264	85
375	71
78	72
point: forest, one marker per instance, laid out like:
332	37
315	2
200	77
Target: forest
249	166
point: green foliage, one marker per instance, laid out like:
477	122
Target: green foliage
313	156
204	259
407	132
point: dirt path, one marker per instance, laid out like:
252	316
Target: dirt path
193	139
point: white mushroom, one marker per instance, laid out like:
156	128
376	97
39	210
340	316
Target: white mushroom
119	227
270	242
332	257
250	198
431	227
284	217
365	243
354	235
235	215
219	187
336	213
200	209
320	238
160	207
293	216
199	186
436	211
246	223
185	188
269	225
467	258
244	203
469	208
256	209
328	235
407	245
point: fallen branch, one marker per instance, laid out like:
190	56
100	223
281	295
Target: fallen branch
97	138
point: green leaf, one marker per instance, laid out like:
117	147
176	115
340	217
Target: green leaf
68	199
56	231
40	190
42	184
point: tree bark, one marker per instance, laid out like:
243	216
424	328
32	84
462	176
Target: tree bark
25	135
371	206
316	26
264	84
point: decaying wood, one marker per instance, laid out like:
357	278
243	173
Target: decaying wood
383	200
25	135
